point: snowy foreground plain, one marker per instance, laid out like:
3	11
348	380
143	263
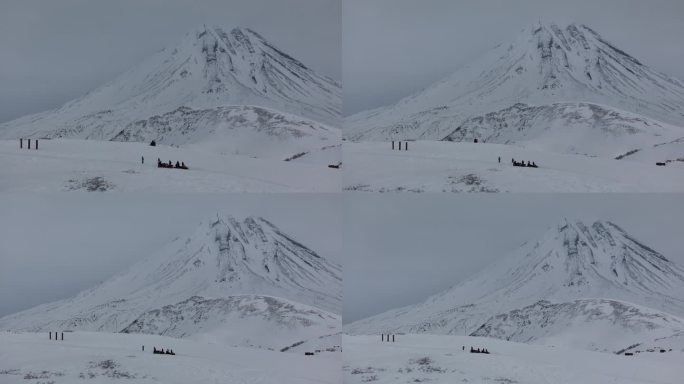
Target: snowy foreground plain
90	165
430	166
440	359
91	357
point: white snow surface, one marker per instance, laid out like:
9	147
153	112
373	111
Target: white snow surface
108	357
431	166
91	165
241	282
441	359
595	279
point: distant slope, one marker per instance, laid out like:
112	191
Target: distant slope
248	270
245	130
596	324
209	68
571	261
246	320
550	70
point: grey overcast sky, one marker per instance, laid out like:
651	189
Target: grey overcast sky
54	246
54	51
392	48
400	249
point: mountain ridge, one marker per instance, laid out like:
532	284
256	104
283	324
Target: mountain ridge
225	262
571	261
209	68
544	65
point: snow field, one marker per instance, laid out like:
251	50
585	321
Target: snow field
64	165
110	357
440	359
468	167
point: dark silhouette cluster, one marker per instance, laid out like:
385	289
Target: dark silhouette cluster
179	165
162	351
478	350
522	164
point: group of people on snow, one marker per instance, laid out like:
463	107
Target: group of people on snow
478	350
179	165
162	351
522	163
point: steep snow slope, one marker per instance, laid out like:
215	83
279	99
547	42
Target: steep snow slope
571	261
596	324
209	68
223	258
545	65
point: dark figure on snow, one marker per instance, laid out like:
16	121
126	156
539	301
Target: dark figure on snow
170	164
183	165
154	349
153	143
513	161
499	159
528	163
142	159
143	348
177	164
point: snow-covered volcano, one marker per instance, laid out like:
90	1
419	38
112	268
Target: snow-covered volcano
544	66
209	68
248	268
571	261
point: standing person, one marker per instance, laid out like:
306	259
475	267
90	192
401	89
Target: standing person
142	158
499	159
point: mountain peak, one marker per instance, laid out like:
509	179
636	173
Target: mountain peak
208	69
225	257
572	261
241	254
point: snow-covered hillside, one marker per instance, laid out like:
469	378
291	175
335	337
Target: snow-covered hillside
248	270
570	262
92	357
209	68
595	324
447	359
238	130
246	320
566	84
568	128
